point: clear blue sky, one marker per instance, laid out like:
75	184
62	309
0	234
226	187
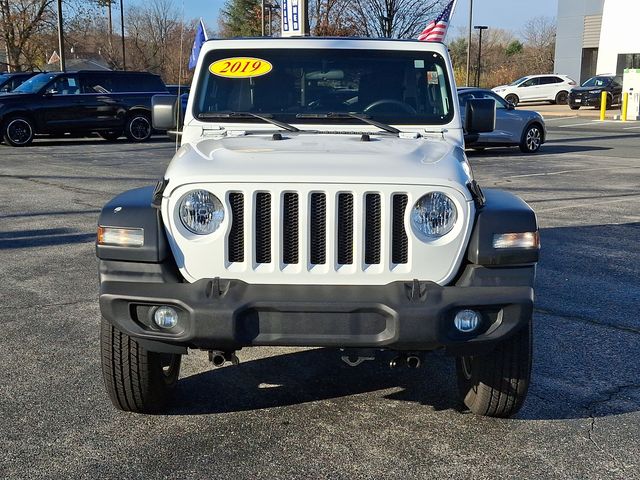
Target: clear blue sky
507	14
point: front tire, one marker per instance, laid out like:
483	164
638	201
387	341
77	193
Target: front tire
531	139
496	384
18	132
138	128
513	99
136	379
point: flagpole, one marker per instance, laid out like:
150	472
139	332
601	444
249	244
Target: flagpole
204	30
61	37
469	41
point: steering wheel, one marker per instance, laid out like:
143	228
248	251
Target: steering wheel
390	101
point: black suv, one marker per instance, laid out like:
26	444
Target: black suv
590	93
107	102
11	81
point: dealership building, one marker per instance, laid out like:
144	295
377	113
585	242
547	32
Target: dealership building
597	37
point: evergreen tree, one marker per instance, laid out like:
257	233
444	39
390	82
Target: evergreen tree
241	18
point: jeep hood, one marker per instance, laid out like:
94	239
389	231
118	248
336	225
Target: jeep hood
319	158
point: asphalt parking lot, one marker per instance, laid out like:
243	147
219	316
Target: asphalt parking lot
290	413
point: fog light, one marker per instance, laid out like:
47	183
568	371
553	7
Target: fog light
165	317
466	320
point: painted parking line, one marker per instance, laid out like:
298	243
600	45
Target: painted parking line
579	124
549	119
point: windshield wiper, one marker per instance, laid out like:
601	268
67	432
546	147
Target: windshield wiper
264	118
362	118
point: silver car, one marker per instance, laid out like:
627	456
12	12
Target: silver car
514	128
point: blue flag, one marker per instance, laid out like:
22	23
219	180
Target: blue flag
201	37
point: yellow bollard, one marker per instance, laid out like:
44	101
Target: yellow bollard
603	106
625	104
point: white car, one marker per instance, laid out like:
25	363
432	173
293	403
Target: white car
537	88
321	198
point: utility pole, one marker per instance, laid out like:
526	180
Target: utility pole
469	42
262	17
110	27
124	59
480	28
61	37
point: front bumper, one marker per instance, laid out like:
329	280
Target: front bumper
585	100
230	314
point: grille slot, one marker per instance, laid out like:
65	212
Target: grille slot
318	229
290	221
235	250
345	229
372	227
263	227
399	240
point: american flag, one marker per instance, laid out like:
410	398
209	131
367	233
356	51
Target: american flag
436	30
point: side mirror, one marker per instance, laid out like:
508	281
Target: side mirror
480	116
510	106
164	111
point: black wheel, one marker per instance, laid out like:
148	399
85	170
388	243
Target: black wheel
609	102
531	139
136	380
562	97
496	384
574	107
18	131
111	136
138	128
512	99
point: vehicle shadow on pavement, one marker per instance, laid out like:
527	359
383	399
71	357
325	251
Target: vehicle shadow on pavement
43	238
545	149
313	375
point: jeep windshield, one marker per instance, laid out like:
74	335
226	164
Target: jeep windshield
304	85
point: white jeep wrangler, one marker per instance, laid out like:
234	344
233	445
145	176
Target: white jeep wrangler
321	198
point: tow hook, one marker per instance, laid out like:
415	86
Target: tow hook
410	360
218	358
355	357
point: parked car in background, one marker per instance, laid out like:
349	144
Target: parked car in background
514	128
11	81
111	104
589	94
176	133
537	88
178	89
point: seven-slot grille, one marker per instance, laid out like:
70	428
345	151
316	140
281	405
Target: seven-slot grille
335	243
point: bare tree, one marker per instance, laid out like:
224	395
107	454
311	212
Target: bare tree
20	22
331	18
394	18
158	39
539	36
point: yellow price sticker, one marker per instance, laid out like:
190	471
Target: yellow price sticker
240	67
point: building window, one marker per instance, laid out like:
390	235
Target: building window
589	62
627	60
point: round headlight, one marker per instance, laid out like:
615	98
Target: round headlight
201	212
433	216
